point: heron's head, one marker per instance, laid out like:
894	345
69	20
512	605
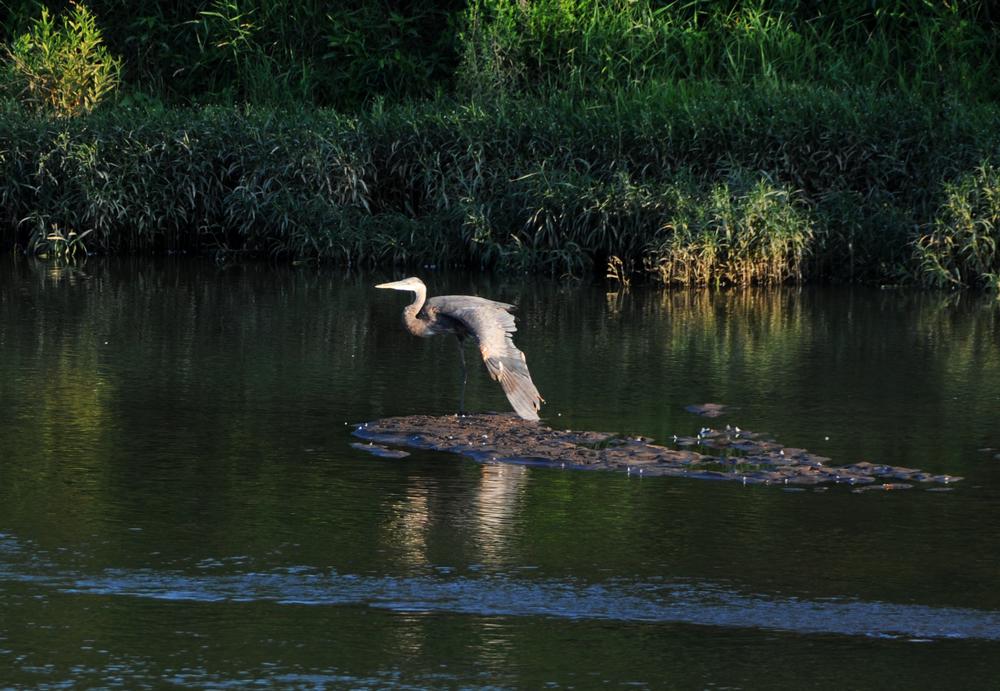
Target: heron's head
413	284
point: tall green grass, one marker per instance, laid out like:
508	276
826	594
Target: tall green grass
962	246
59	67
710	184
927	49
348	54
269	52
739	233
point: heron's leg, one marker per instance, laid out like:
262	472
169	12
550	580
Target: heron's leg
465	377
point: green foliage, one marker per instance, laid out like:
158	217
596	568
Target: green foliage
399	51
271	52
592	45
962	247
739	233
715	185
61	246
349	54
61	67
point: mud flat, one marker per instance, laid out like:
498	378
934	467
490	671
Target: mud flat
712	454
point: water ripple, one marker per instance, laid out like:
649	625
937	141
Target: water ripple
677	602
674	601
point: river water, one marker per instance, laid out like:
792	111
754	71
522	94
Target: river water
180	503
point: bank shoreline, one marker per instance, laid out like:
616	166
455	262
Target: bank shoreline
684	185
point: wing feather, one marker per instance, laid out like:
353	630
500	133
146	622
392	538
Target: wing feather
492	325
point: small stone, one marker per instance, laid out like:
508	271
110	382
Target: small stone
707	409
380	451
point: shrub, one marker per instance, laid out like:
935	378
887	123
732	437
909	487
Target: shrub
738	233
962	247
61	67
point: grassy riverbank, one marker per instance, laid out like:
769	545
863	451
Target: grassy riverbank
689	143
694	185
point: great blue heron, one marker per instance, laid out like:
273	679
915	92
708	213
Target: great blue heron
489	323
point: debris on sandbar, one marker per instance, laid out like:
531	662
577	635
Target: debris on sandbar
730	454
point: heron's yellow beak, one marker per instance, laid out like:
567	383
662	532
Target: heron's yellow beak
395	285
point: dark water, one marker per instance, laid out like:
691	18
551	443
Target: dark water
179	503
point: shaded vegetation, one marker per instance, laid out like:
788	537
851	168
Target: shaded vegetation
694	192
347	53
199	52
696	142
962	245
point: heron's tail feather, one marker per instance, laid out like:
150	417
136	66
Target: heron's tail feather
512	373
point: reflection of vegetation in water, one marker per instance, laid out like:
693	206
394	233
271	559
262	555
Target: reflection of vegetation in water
221	395
244	337
968	375
781	357
746	339
56	395
109	382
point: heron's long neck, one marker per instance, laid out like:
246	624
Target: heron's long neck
415	325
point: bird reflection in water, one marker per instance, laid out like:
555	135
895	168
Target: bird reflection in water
497	502
408	524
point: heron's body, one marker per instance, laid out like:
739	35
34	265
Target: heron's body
489	323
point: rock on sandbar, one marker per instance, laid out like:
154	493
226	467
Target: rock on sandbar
707	409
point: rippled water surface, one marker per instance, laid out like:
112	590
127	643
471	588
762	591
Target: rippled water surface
180	503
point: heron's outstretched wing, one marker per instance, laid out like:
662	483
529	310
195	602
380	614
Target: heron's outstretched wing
492	324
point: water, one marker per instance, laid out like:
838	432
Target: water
179	503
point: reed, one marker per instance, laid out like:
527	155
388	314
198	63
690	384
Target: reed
739	233
349	54
717	184
927	49
269	52
60	66
962	245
